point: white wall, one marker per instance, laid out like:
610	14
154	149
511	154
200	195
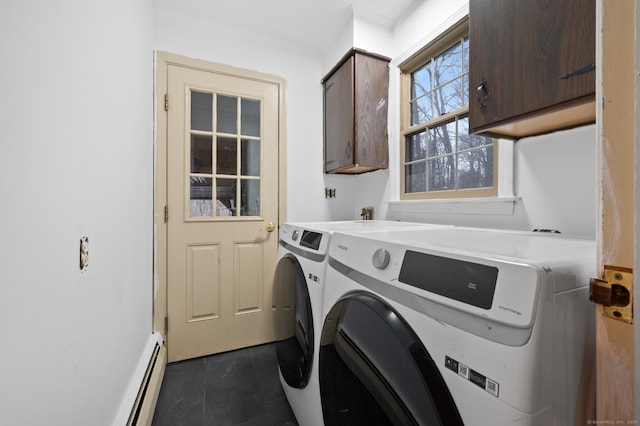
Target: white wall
76	159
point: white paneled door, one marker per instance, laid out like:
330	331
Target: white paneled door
222	210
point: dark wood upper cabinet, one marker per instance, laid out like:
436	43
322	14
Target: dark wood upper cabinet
355	114
531	66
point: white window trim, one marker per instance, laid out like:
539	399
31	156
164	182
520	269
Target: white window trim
505	201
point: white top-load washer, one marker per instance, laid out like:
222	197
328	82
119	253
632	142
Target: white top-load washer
457	326
298	293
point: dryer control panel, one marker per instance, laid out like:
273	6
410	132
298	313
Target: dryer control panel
467	282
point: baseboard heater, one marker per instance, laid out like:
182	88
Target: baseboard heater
145	405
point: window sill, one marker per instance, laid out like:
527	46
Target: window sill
503	206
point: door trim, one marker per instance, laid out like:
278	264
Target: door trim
162	61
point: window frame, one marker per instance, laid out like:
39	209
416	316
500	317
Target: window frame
416	61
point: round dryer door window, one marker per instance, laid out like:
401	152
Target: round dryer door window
293	322
374	369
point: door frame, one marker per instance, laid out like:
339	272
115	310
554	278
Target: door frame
162	61
618	233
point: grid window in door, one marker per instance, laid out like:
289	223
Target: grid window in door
224	155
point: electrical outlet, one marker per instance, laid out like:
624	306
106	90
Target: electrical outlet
84	253
329	193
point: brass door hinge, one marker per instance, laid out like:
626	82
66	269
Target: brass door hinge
614	292
166	214
166	102
166	326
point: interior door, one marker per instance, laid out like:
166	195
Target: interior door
222	207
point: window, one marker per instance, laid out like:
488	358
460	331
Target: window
439	158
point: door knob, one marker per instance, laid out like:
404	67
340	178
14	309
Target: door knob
270	227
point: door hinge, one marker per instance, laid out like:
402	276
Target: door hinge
166	326
166	214
166	102
614	292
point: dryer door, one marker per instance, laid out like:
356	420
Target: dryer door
374	369
293	322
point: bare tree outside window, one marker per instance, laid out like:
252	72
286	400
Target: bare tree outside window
441	155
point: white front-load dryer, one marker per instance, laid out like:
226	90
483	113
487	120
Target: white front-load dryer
298	292
457	326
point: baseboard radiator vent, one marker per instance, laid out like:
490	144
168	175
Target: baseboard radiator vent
145	405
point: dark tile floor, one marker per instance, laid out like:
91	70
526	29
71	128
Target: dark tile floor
234	388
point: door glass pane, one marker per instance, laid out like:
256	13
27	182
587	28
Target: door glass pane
201	150
227	156
201	111
226	197
200	200
250	158
250	193
227	114
250	117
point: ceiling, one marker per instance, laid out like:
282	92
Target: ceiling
309	23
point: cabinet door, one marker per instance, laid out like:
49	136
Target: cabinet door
339	118
371	93
521	50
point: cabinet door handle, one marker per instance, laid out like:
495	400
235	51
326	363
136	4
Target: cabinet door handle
482	94
582	70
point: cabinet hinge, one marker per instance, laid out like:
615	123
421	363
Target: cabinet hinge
166	102
166	214
166	326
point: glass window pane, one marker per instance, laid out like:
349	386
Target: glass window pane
226	197
421	81
250	117
442	173
442	139
467	141
250	158
416	147
465	46
250	193
421	110
449	97
227	156
415	177
465	89
200	197
227	114
448	66
201	111
475	168
201	158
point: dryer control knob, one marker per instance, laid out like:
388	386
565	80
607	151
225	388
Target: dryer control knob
380	258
